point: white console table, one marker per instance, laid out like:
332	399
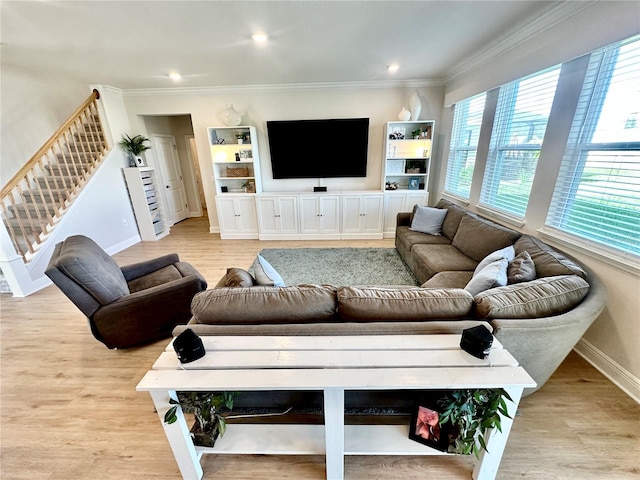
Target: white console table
331	364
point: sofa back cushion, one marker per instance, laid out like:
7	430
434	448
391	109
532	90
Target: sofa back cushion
477	238
260	305
453	218
236	277
368	304
83	261
538	298
547	261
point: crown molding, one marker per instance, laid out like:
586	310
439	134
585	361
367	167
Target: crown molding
519	34
216	90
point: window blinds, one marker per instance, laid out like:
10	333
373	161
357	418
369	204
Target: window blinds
467	120
597	193
519	126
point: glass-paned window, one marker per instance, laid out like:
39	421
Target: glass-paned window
597	194
467	120
519	126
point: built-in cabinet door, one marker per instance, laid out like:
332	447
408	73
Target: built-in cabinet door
395	203
237	215
362	214
277	216
319	214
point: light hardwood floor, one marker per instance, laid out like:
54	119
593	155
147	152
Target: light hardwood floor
70	409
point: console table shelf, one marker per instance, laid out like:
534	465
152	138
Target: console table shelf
331	365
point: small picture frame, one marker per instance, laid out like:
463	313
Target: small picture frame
414	183
425	425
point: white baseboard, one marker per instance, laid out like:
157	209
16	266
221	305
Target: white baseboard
610	369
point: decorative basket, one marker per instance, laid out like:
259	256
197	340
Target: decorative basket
237	172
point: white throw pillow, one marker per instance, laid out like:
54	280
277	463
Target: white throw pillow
267	275
493	275
507	252
428	220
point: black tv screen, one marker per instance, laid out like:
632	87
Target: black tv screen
318	148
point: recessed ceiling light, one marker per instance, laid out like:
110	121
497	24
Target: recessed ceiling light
259	37
393	68
175	76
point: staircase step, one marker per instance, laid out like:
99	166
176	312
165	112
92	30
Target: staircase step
34	196
90	136
57	170
26	227
60	181
20	210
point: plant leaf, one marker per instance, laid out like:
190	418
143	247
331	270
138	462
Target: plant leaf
171	417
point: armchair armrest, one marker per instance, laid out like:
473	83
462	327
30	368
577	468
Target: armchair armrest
150	314
140	269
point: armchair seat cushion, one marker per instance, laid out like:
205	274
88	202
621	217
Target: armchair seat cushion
164	275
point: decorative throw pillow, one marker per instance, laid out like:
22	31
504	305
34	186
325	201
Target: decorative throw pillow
522	269
507	252
428	220
236	277
265	273
493	275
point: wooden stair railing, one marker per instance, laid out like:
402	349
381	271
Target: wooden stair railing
35	199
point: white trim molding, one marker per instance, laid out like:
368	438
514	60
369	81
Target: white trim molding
610	369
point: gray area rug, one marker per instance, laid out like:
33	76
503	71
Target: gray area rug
340	266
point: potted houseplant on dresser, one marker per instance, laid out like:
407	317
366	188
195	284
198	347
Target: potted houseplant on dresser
134	146
208	409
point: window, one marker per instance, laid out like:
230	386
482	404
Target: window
519	126
467	119
597	194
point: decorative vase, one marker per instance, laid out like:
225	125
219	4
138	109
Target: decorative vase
404	115
231	117
415	105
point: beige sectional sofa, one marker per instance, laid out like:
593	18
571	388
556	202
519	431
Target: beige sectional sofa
539	320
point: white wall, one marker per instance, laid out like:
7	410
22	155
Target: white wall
380	104
613	341
34	106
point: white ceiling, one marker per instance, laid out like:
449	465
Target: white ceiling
135	44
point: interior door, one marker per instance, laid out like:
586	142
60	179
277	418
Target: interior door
172	185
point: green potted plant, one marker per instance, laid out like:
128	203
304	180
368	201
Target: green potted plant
134	146
240	136
472	413
416	133
208	409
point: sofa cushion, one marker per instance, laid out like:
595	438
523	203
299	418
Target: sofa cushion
441	258
542	297
507	252
83	261
428	220
265	274
477	237
453	218
159	277
448	280
236	277
493	275
375	303
258	305
548	262
522	269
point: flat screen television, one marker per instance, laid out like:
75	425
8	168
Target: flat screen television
318	148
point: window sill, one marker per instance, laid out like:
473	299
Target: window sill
515	221
626	262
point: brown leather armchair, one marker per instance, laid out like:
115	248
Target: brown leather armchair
127	306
